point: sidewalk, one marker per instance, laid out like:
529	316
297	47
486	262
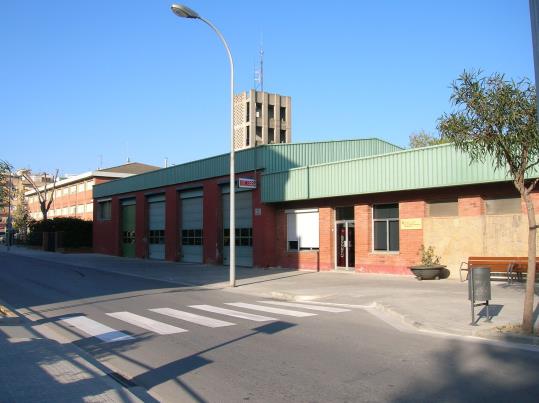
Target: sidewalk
37	369
438	305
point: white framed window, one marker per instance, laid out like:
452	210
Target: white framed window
89	185
385	227
90	208
73	189
302	229
64	211
72	210
80	187
65	191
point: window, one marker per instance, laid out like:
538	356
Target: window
105	210
443	208
509	205
89	185
271	135
302	230
128	237
72	210
90	208
271	111
192	237
244	237
80	187
64	211
386	227
156	236
258	110
344	213
73	189
65	190
248	110
247	136
282	113
282	137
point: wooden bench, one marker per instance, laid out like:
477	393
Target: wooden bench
509	265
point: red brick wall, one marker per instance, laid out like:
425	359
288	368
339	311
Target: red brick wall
471	206
141	226
264	228
171	224
106	233
212	218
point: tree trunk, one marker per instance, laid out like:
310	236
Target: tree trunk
527	319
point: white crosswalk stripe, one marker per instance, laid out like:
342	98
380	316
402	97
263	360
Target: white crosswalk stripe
191	317
96	329
280	311
146	323
233	313
306	306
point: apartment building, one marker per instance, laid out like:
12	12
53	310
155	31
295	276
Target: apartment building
73	195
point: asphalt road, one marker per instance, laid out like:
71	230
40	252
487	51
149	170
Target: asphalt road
348	356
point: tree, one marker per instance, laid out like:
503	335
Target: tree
21	216
496	118
45	194
423	138
5	171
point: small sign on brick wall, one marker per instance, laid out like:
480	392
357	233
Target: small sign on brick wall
411	223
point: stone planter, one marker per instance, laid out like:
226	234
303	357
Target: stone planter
428	272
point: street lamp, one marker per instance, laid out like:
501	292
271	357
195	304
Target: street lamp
185	12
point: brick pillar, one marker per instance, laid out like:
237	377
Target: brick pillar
410	240
171	224
326	238
362	222
264	232
211	219
471	206
141	225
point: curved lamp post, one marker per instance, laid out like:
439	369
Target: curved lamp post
186	12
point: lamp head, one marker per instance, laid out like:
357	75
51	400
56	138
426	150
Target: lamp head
183	11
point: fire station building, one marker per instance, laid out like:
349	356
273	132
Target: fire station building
363	205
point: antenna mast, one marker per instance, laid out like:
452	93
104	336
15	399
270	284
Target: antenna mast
259	72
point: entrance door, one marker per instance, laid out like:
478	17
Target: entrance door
128	228
156	227
244	228
345	244
192	239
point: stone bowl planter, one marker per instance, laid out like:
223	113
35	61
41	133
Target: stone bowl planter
428	272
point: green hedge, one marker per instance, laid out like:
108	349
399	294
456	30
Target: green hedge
77	232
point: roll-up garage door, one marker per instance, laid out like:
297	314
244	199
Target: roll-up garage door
192	226
244	227
128	227
156	227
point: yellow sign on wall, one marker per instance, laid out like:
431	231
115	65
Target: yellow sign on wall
411	223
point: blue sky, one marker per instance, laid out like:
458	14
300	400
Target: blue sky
105	80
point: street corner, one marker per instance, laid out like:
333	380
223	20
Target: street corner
510	332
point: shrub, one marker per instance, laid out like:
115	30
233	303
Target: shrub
76	232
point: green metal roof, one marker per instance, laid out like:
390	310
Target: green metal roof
429	167
270	158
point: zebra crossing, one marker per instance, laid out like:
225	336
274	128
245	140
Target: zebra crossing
107	334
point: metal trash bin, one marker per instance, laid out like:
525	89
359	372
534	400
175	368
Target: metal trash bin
479	289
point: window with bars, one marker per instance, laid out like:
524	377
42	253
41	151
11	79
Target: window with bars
244	237
192	236
128	237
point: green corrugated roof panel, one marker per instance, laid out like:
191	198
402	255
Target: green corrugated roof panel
430	167
270	158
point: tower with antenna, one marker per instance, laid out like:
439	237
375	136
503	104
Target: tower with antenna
261	117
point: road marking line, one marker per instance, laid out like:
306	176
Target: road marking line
271	310
306	306
191	317
146	323
96	329
231	312
372	305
